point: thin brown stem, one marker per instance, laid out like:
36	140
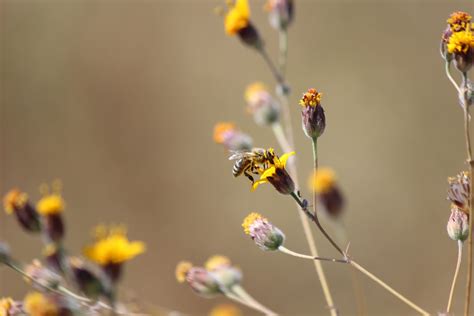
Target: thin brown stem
467	134
456	272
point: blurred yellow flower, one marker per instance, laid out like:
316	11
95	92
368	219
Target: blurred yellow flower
237	17
322	180
182	269
225	310
50	204
6	303
254	89
37	304
113	247
222	130
461	42
216	261
14	199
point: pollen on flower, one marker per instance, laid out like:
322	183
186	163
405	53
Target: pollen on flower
237	17
459	21
113	246
37	304
311	98
50	204
461	42
249	220
222	130
14	199
322	180
182	269
216	261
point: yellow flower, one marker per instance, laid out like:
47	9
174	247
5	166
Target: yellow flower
182	269
6	303
276	174
249	220
14	199
222	130
225	310
50	204
311	98
461	42
113	247
459	21
216	261
253	89
36	304
237	18
322	181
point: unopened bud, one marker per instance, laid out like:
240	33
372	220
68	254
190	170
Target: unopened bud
87	280
266	236
458	224
261	104
223	271
312	114
280	13
323	183
17	202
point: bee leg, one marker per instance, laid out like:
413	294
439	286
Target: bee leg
249	176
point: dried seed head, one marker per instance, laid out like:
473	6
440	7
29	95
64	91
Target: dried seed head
266	236
458	190
458	224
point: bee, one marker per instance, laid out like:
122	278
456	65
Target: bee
251	162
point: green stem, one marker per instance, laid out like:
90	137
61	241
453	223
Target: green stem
456	272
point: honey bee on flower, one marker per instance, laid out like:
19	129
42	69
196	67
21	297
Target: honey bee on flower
251	162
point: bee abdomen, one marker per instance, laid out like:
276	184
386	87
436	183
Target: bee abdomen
238	167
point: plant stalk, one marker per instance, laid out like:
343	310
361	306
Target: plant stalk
300	255
242	294
456	272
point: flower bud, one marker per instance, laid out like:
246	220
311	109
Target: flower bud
458	190
87	280
266	236
458	224
16	202
223	271
200	280
51	206
313	118
237	22
280	13
234	140
323	182
261	104
53	257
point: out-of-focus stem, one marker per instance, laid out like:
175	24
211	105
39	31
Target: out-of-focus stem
456	272
467	134
283	44
275	72
447	68
388	288
242	294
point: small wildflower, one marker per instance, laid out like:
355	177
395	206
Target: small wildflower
182	269
199	279
16	202
112	248
225	310
312	114
459	21
37	304
42	276
223	271
458	224
237	22
266	236
458	190
51	206
323	182
277	175
6	303
227	134
261	104
461	45
280	13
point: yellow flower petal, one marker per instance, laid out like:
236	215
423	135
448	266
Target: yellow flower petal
238	17
285	157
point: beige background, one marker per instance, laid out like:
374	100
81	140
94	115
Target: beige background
119	98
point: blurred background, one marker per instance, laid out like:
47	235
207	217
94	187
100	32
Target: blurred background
118	99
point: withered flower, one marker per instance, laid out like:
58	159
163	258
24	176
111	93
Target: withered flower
458	190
